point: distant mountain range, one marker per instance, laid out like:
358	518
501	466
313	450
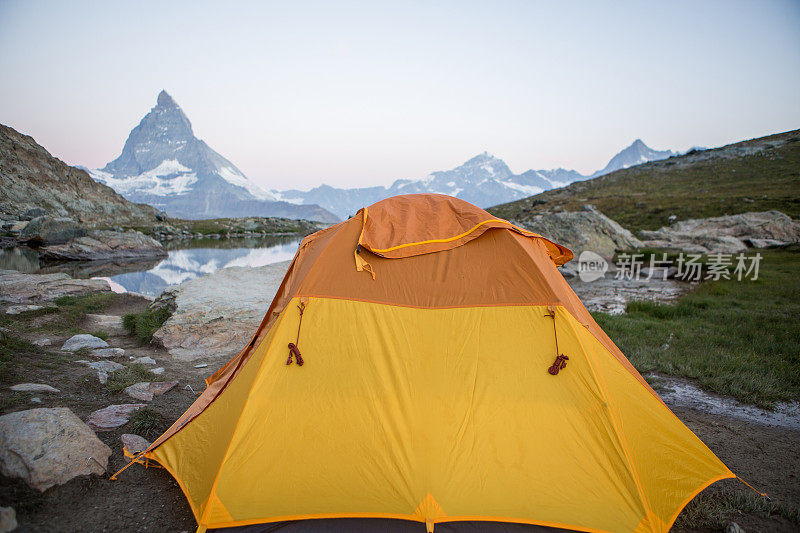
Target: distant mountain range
164	165
484	180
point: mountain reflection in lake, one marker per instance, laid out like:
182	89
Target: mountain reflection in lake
187	259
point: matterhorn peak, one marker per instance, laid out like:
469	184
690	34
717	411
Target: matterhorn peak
165	100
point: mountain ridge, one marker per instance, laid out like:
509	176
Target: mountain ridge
752	175
483	180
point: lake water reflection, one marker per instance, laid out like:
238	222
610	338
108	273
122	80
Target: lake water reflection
187	259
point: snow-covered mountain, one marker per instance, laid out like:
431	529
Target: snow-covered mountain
635	154
163	164
484	180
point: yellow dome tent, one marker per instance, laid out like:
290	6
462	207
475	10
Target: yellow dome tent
424	365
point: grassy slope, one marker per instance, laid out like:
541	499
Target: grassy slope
736	338
710	183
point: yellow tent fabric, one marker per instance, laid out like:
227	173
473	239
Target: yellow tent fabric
418	404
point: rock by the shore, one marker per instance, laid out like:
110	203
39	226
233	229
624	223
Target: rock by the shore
727	234
47	230
113	416
19	288
8	519
33	387
215	315
47	447
134	444
588	229
105	245
145	391
78	342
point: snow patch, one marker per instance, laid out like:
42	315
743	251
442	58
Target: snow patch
234	177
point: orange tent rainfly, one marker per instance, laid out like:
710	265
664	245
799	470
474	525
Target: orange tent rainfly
425	365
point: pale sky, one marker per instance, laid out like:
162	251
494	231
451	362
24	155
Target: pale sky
361	93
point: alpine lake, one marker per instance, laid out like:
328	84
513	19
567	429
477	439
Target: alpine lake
187	259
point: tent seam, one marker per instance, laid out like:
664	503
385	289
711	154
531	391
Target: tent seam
239	419
600	382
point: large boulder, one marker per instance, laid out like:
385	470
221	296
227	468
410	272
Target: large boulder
19	288
726	234
47	447
105	245
215	315
579	231
48	230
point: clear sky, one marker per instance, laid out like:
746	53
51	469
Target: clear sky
361	93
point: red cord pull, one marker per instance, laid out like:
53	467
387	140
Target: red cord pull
561	362
293	350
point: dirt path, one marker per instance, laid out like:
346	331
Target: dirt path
150	500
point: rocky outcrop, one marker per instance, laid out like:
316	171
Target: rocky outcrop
727	234
215	315
51	230
104	245
47	447
32	183
588	229
19	288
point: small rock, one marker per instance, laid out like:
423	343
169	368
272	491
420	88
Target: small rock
733	527
77	342
112	416
8	519
47	447
42	342
158	371
36	399
201	365
33	387
102	377
24	308
107	352
145	390
103	366
144	361
134	444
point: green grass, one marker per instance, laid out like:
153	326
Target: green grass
101	334
144	324
645	196
135	373
715	509
12	351
71	310
147	423
738	339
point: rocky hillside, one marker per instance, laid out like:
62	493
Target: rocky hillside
750	176
33	183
